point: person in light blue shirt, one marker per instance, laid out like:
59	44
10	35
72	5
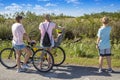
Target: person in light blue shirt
103	44
104	35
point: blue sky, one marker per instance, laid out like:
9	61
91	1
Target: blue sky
67	7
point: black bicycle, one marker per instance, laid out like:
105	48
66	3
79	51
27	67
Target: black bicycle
59	55
41	59
58	52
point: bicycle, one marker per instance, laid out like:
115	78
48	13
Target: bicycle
59	55
8	57
57	52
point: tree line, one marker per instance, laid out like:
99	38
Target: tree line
85	26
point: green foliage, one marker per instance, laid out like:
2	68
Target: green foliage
76	27
80	53
83	26
5	44
5	31
86	48
2	19
92	23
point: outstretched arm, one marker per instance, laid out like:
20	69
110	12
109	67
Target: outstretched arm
59	27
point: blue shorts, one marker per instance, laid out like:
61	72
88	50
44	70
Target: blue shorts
19	47
105	52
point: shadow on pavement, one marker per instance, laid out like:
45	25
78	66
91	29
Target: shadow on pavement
71	72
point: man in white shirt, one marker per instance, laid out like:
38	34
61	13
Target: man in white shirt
18	33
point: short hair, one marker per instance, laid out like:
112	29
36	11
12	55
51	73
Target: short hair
47	16
18	18
105	20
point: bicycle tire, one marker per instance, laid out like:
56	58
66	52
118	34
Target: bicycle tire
38	59
8	58
24	54
58	55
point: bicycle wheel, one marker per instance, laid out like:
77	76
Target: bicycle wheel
59	55
43	60
8	58
24	54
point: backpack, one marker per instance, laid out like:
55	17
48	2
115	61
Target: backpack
46	39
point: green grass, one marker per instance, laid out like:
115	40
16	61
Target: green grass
85	53
5	44
91	62
81	53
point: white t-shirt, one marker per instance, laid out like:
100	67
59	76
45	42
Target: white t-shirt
17	32
43	25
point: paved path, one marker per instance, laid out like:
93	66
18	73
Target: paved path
65	72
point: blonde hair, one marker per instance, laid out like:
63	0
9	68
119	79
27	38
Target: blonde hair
105	20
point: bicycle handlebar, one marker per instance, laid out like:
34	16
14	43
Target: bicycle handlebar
31	43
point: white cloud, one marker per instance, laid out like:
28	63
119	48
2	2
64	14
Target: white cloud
28	5
50	4
13	7
39	8
73	1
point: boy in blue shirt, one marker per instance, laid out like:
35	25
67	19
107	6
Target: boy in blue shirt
103	44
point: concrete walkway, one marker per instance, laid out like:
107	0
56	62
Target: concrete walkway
65	72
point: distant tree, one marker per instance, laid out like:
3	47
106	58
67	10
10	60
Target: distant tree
2	19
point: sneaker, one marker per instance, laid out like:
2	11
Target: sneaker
110	70
20	70
25	66
99	70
